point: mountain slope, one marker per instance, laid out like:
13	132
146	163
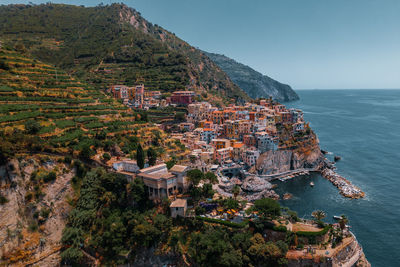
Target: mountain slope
252	82
113	44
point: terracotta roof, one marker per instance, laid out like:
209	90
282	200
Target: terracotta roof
208	129
238	145
178	203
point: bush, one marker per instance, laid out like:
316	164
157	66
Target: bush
3	200
310	234
32	127
226	223
68	159
51	176
106	156
4	65
280	228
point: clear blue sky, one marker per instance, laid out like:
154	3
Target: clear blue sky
305	43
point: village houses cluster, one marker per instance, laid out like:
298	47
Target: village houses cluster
224	140
138	97
237	133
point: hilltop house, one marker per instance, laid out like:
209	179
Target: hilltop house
178	208
161	183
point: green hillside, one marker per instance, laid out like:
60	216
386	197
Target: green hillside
43	109
106	45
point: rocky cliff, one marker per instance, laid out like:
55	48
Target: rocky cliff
33	218
308	156
252	82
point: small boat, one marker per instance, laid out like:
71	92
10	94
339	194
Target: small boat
337	217
311	184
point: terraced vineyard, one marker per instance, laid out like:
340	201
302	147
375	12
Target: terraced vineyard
44	109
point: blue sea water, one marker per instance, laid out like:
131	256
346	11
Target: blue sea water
363	127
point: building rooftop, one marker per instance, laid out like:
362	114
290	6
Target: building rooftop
238	145
179	168
178	203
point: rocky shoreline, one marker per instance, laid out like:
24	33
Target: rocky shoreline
346	188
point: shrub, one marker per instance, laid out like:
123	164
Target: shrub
3	200
4	65
51	176
226	223
106	156
32	127
68	159
310	234
280	228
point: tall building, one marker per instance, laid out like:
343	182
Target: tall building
139	95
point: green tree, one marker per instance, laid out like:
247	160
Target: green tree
267	207
32	127
207	191
140	156
236	191
151	156
195	176
211	178
106	156
170	163
86	152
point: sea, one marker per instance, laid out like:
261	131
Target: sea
363	128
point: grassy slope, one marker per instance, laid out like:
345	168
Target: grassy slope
71	114
113	44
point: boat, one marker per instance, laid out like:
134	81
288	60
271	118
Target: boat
337	217
311	184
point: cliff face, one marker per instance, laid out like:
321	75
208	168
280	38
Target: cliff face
252	82
31	229
272	162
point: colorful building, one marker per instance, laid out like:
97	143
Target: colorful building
182	97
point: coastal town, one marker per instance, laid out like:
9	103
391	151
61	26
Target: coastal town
122	144
233	142
226	147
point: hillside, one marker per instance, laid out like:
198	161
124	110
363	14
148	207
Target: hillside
50	124
43	109
113	44
252	82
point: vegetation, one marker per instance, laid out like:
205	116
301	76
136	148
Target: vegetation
102	47
140	156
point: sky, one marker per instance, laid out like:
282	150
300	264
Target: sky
308	44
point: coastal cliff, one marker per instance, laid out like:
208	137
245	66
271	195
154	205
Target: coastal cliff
307	157
255	84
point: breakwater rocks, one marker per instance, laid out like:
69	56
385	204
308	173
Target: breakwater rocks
346	188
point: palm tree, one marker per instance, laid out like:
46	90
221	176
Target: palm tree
236	191
318	214
343	221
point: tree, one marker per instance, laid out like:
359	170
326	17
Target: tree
207	191
32	127
170	163
106	156
151	156
236	191
231	203
267	207
343	221
140	156
211	178
195	176
86	152
318	214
